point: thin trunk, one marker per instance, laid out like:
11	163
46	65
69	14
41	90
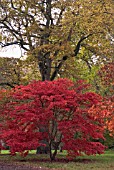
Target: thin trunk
53	155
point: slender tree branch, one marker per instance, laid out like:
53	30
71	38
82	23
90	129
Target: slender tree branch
77	48
60	15
7	84
12	5
21	11
58	67
64	58
8	44
14	32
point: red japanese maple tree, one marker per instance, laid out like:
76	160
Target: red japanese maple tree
57	111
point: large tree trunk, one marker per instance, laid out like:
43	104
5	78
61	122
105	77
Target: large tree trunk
44	63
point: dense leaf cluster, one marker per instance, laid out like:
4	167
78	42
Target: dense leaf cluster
57	111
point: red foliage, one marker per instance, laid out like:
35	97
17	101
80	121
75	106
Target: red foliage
106	110
58	107
106	74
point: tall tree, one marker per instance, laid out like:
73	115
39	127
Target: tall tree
54	31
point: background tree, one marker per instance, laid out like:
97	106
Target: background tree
106	110
54	31
16	71
9	72
106	74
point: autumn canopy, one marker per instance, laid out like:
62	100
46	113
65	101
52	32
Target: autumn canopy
57	111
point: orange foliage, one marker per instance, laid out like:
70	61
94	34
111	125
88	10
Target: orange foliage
105	111
106	74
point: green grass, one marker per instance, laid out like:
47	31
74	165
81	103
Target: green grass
98	162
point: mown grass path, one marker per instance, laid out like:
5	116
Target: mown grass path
42	162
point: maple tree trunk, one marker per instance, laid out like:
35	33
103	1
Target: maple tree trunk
43	149
53	155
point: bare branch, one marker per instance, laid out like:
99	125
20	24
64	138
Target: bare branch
64	58
21	11
8	84
12	5
77	48
60	15
10	28
8	44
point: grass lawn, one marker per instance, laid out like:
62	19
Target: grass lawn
98	162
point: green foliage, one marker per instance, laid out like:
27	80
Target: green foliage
9	72
109	142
